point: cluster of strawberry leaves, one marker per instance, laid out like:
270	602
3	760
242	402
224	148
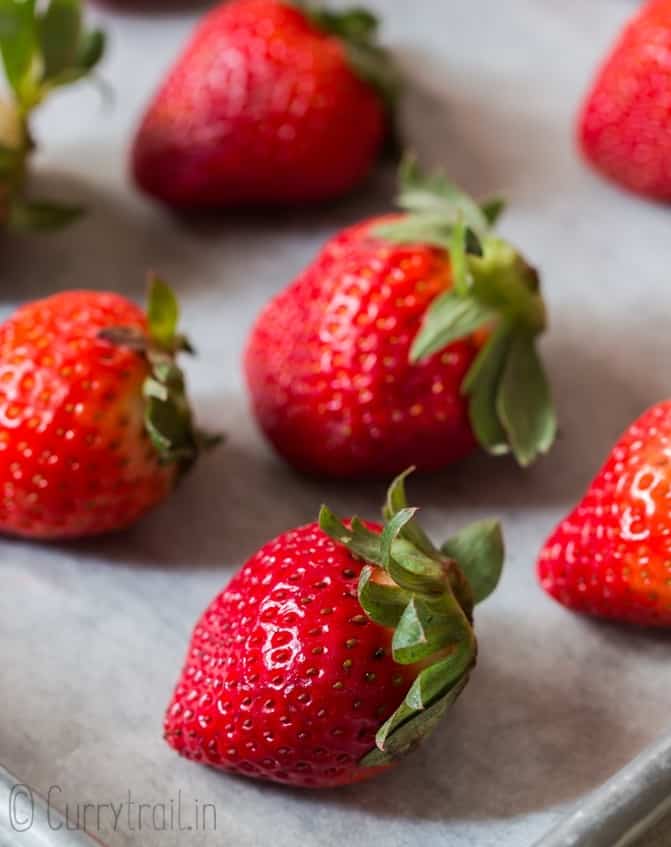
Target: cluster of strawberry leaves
43	46
495	289
168	418
426	596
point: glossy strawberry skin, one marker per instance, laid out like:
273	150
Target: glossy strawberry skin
625	125
74	456
611	556
328	368
261	109
286	679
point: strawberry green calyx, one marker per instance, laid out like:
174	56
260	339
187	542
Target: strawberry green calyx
42	47
358	29
426	596
168	417
494	289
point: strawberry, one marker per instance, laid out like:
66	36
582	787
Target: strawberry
95	425
335	649
611	556
272	102
625	124
410	339
43	46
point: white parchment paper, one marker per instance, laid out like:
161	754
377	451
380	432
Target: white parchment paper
92	635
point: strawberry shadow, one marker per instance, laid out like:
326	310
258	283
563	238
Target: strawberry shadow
374	194
599	386
241	494
258	252
539	725
237	497
155	8
111	247
250	253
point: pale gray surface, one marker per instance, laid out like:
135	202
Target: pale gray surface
93	635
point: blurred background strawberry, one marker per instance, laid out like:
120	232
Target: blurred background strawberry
271	103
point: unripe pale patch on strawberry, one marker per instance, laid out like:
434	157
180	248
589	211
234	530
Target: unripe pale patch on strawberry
335	649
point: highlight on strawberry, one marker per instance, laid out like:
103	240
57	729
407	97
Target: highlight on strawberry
611	556
335	650
272	102
43	46
411	339
96	425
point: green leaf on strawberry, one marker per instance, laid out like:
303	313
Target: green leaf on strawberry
495	291
40	215
42	46
426	596
396	501
90	50
168	417
478	549
452	316
523	402
17	40
434	195
59	35
384	603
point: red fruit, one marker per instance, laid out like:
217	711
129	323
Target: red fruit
612	555
296	676
399	345
269	104
42	47
94	422
625	124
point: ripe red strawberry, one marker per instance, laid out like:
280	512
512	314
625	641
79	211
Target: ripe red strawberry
42	46
612	555
272	102
625	124
295	674
95	426
407	341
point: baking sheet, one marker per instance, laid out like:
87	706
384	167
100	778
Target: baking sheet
92	635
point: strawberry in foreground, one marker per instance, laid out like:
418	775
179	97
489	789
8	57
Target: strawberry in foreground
611	556
96	427
42	47
625	124
409	340
272	103
335	649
